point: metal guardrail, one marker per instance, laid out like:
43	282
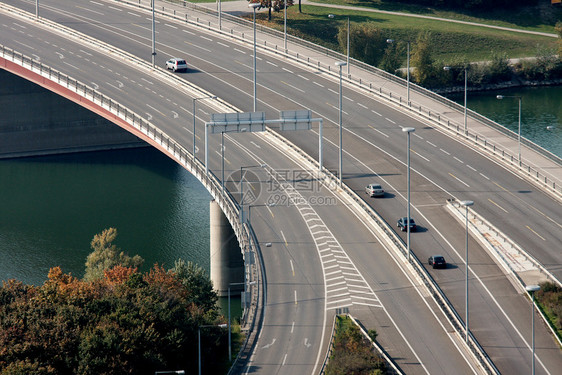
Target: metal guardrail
331	346
330	180
154	135
506	157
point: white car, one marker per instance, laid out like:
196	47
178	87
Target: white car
374	190
176	64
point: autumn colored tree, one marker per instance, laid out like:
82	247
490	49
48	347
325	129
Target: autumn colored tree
123	323
106	255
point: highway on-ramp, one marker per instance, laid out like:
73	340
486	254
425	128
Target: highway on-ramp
375	151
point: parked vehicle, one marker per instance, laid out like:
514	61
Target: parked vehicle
437	261
403	221
374	190
176	64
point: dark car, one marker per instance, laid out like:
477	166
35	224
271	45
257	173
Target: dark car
402	222
437	261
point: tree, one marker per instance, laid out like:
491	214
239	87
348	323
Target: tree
366	41
392	58
194	278
106	255
424	71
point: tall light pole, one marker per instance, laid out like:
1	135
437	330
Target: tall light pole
340	64
532	289
285	26
519	126
408	131
254	6
465	94
153	36
466	204
242	174
407	68
36	8
199	340
347	46
178	372
220	15
194	117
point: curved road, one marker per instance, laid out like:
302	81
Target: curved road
377	148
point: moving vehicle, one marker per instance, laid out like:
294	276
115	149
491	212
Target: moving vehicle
176	64
437	261
374	190
403	221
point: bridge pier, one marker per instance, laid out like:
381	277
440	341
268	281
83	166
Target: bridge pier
227	263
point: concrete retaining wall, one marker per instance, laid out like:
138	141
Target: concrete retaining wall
35	121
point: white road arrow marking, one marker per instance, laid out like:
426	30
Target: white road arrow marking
176	115
149	116
119	83
268	345
61	56
306	343
95	85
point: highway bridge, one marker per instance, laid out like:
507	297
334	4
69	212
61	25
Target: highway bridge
323	248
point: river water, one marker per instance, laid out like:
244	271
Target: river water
540	107
51	207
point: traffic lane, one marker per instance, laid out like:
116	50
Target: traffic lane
295	286
401	304
452	282
289	72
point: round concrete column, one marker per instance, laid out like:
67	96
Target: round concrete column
227	263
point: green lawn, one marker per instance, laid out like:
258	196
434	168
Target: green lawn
451	42
541	18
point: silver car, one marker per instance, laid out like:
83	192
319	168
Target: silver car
374	190
176	64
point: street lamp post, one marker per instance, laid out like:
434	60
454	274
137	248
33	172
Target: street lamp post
347	46
340	64
254	6
532	289
194	117
242	174
179	372
220	15
465	95
466	204
153	35
408	131
199	340
407	68
519	124
285	25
